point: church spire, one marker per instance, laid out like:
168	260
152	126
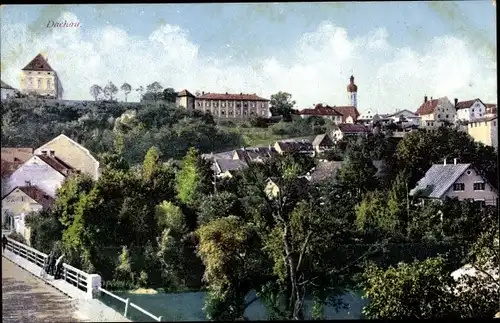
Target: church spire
352	90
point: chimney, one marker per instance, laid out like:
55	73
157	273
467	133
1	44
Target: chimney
425	98
202	92
28	183
455	161
241	93
456	102
431	98
444	161
227	93
52	153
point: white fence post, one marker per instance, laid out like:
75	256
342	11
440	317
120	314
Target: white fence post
93	285
127	301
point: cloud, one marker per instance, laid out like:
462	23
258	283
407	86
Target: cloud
315	70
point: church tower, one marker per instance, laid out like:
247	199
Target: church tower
352	90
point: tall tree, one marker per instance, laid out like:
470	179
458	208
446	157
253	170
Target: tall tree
155	89
282	104
140	89
95	91
110	90
194	178
169	95
126	88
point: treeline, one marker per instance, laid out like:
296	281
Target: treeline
152	92
99	127
169	225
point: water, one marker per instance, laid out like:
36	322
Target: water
189	307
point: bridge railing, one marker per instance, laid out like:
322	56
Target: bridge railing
32	255
130	304
76	277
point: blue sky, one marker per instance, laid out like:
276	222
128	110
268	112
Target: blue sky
265	48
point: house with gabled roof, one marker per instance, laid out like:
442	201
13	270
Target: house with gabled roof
72	153
349	130
185	99
434	113
455	180
293	146
44	171
225	168
39	78
471	109
322	143
20	202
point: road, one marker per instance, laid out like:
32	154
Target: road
26	298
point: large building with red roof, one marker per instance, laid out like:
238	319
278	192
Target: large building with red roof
226	105
436	112
39	78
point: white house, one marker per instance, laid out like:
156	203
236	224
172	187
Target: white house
406	117
46	172
349	130
366	118
436	112
20	202
455	180
470	110
7	91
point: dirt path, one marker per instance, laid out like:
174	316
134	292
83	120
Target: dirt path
26	298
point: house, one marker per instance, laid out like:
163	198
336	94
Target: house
293	146
484	130
186	100
366	118
349	130
436	112
326	112
257	154
44	171
406	117
7	91
455	180
350	114
324	171
491	110
295	188
322	143
222	155
20	202
38	77
470	110
232	106
226	167
72	153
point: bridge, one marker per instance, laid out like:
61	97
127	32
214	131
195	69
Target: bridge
30	296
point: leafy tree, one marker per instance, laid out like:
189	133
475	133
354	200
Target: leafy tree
417	290
282	104
169	95
140	89
357	173
193	178
126	88
68	196
110	90
230	250
45	230
96	91
155	89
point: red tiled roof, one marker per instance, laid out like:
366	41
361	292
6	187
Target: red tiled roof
38	195
185	93
427	107
352	128
465	104
57	164
38	64
15	155
348	111
320	110
228	96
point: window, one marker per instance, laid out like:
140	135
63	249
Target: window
199	104
30	81
458	187
223	104
39	83
48	84
238	105
472	110
447	116
479	186
439	116
494	123
207	103
245	104
230	104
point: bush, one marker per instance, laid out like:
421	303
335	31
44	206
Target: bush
17	237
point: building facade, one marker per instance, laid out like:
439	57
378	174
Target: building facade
484	130
226	106
470	110
71	153
434	113
7	91
40	79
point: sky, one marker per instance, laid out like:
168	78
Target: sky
398	52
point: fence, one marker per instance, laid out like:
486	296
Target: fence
130	304
32	255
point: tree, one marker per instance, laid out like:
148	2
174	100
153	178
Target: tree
357	173
109	90
95	91
282	104
169	95
193	178
126	88
155	89
140	89
230	250
417	290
